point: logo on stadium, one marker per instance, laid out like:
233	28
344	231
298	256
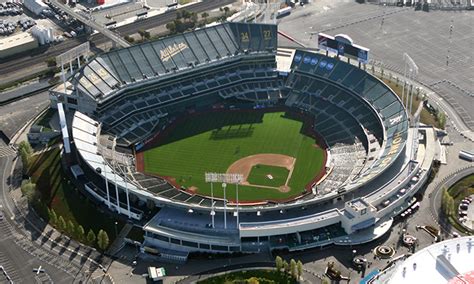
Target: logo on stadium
168	52
395	120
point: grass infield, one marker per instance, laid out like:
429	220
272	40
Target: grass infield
259	175
211	142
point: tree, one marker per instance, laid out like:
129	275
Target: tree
61	224
185	14
204	15
226	11
286	267
444	199
450	206
194	17
25	150
102	240
180	26
278	263
171	26
71	228
179	15
253	280
129	39
144	34
28	189
293	267
90	237
141	33
441	119
53	219
299	268
80	232
26	145
51	62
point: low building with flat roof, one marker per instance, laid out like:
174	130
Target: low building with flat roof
17	43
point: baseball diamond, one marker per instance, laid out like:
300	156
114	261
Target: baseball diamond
233	142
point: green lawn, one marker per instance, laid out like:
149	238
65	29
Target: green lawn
213	141
56	192
258	175
425	116
268	276
461	189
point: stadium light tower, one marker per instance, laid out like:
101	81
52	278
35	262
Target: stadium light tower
225	179
410	73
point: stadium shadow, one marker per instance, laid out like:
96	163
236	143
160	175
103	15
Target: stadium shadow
229	132
229	124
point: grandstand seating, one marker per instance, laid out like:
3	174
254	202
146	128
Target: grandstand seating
135	91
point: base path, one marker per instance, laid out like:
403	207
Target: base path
245	165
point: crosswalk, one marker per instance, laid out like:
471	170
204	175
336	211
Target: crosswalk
8	269
6	151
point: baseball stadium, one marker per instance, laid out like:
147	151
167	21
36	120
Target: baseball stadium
240	144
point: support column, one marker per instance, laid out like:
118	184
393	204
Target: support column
78	62
70	67
63	76
116	192
107	185
128	199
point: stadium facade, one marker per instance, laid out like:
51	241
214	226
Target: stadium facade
121	99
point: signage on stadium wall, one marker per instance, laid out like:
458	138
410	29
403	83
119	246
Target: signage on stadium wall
343	45
168	52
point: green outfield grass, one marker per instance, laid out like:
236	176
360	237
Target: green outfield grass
213	141
258	175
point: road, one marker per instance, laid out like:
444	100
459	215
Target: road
15	64
102	30
435	201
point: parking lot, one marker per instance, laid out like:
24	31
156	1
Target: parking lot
443	53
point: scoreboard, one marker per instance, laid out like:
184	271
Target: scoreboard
343	45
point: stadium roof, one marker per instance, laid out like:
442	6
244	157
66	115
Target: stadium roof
110	71
450	261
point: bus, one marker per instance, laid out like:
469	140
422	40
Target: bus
466	155
283	12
